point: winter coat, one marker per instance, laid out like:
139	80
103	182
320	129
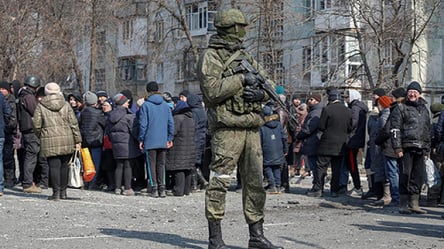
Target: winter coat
56	126
92	125
156	124
274	141
383	137
359	122
335	124
439	134
6	116
121	132
410	126
182	155
309	133
11	120
200	125
25	108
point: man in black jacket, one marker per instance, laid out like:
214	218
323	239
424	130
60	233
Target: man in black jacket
411	139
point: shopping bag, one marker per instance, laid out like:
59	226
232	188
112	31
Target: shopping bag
89	171
432	173
75	171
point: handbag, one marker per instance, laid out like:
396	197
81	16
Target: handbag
89	171
75	171
431	173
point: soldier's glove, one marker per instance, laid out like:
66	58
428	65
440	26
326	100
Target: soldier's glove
253	95
250	79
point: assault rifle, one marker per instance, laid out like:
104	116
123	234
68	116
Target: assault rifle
245	66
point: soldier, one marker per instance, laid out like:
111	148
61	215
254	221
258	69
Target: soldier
234	107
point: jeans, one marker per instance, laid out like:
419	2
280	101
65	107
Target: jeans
392	175
273	173
311	163
96	154
2	142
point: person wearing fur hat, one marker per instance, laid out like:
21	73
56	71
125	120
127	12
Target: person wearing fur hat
156	133
56	126
92	125
410	135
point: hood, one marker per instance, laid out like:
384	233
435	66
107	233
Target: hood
117	114
156	99
272	124
360	104
53	102
194	101
181	107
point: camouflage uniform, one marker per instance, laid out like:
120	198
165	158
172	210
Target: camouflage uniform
234	125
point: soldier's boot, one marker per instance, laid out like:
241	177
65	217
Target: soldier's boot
404	205
257	238
386	198
414	205
215	235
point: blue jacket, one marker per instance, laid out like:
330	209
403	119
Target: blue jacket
156	124
5	113
274	142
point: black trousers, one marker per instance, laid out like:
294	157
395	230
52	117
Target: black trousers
411	172
9	162
182	182
58	172
351	162
123	170
322	165
155	164
32	148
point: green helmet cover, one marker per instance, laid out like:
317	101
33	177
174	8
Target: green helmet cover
229	17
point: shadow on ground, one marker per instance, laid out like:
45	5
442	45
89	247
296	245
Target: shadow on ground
417	229
163	238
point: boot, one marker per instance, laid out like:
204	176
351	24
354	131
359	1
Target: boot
63	195
9	178
414	205
162	192
153	192
386	199
55	195
215	235
404	205
257	238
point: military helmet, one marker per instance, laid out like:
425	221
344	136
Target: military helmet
32	81
229	17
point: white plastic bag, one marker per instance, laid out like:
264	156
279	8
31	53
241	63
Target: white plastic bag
432	173
75	171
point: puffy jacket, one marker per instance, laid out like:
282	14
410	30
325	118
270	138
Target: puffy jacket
359	122
5	115
182	155
92	124
200	124
56	126
25	108
121	131
309	133
274	141
410	126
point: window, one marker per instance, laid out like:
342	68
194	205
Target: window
160	75
126	69
127	29
306	58
197	17
140	70
99	75
179	70
277	23
328	55
160	30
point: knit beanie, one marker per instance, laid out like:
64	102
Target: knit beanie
5	85
414	85
52	88
316	96
152	86
128	94
385	101
184	93
90	98
280	89
267	110
101	93
399	92
120	99
379	91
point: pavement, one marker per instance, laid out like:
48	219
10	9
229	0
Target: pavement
94	219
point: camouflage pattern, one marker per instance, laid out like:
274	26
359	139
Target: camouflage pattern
239	147
229	17
234	125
